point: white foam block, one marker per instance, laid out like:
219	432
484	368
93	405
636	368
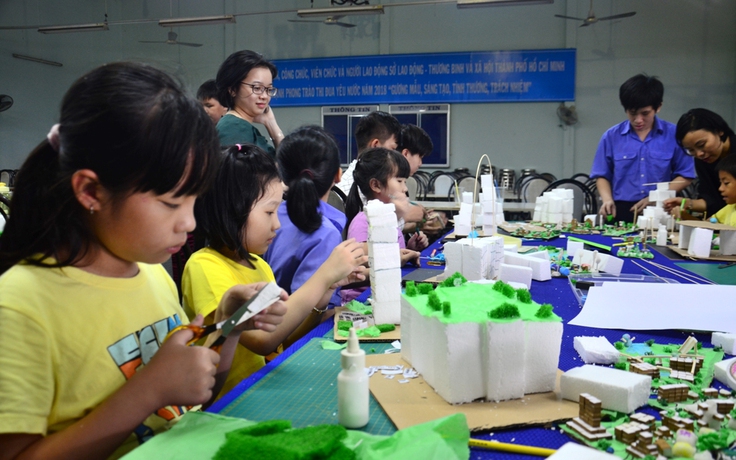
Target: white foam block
596	350
384	255
573	247
541	355
387	312
699	244
728	243
517	274
725	341
544	255
511	248
573	451
540	268
610	264
504	376
383	220
387	234
377	208
618	390
723	374
453	258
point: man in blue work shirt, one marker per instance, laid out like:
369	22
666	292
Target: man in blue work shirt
641	150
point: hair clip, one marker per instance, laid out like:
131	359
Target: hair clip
240	147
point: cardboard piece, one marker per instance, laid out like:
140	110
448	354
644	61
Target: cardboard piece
415	402
713	255
384	337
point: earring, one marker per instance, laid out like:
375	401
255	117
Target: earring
91	209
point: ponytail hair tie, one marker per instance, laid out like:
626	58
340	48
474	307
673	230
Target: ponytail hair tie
308	173
53	137
240	147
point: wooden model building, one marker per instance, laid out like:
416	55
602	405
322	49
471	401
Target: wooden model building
588	423
674	392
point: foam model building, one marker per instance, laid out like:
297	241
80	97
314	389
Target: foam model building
619	390
696	237
472	340
487	213
573	451
554	207
597	262
474	258
654	216
725	372
385	262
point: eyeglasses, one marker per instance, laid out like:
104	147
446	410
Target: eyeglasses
258	89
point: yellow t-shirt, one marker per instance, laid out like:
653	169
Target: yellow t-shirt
70	339
727	215
207	275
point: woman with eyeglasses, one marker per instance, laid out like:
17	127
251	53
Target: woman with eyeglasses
245	86
706	136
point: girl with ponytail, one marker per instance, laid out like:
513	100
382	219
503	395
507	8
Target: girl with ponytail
86	370
309	164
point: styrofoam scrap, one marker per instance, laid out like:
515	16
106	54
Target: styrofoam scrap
396	344
610	264
596	350
618	390
369	371
397	367
388	376
574	451
725	341
410	373
391	372
391	350
403	381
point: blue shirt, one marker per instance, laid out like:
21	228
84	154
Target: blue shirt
627	162
295	255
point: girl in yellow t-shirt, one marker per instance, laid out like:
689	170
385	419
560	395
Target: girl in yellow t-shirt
84	302
238	217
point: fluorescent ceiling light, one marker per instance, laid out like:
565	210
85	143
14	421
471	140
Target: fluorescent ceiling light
73	28
479	3
35	59
201	21
344	11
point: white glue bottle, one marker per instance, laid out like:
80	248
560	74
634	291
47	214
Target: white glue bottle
352	386
662	236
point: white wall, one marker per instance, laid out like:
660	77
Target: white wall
689	44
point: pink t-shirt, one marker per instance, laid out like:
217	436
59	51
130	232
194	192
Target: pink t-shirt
359	230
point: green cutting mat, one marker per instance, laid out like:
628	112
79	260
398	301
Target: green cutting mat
711	271
303	389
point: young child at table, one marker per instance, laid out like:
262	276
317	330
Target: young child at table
727	175
309	162
380	174
239	218
84	302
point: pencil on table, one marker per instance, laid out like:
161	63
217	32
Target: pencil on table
515	448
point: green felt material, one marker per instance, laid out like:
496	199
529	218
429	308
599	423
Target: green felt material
307	380
371	331
710	271
313	442
472	302
330	345
359	307
200	434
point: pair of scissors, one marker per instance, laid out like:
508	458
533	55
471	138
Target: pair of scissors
259	302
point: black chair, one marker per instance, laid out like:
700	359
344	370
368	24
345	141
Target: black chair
581	177
337	199
445	178
532	186
584	201
549	176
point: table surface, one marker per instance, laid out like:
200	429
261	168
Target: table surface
300	384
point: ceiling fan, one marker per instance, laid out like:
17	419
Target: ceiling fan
171	40
592	19
330	21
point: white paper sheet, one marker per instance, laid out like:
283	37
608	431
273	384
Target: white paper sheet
655	306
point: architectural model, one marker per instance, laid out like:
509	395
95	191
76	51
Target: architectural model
385	262
480	340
